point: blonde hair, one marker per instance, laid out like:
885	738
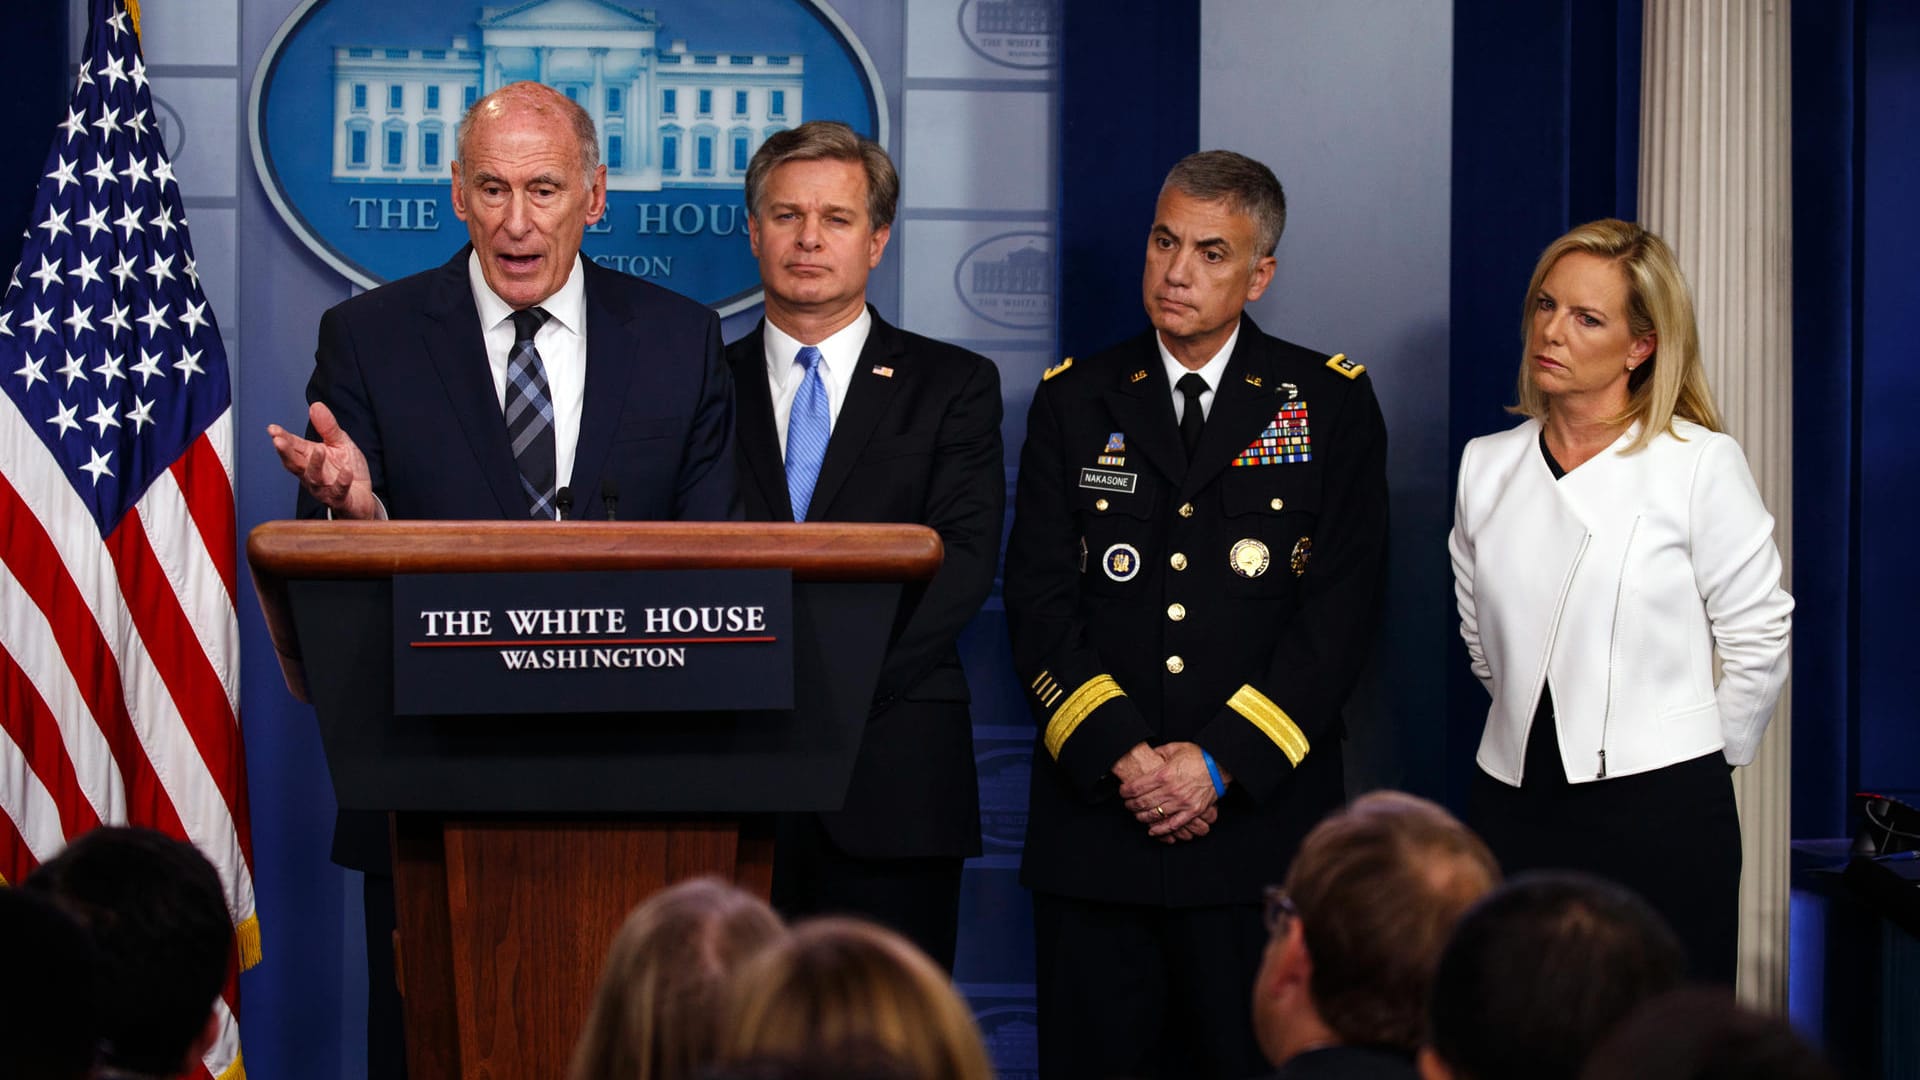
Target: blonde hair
1670	382
656	1014
845	990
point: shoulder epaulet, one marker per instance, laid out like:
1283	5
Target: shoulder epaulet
1340	363
1057	369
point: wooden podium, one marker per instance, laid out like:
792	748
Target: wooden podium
521	842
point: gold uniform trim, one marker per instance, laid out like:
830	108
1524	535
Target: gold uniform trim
1056	369
1272	721
1079	705
1344	366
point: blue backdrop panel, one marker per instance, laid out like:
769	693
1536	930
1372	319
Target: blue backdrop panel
1827	376
35	75
1889	387
1129	109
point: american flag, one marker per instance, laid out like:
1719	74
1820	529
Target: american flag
119	658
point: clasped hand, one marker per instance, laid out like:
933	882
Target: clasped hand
1169	790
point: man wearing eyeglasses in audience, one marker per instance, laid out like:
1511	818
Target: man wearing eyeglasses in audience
1355	934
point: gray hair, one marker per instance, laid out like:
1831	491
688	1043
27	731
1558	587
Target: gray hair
827	140
1247	186
536	98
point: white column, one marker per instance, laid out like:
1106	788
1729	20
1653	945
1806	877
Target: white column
1715	181
597	108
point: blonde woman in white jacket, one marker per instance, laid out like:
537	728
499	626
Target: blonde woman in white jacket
1604	551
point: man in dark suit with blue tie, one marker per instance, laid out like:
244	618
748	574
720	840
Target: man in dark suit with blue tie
845	418
516	381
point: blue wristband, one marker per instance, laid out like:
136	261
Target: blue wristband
1219	783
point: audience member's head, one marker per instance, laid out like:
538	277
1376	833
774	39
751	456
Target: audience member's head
162	939
1538	973
843	990
657	1013
1369	902
47	1029
1701	1033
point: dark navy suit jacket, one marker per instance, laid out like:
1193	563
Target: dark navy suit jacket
404	369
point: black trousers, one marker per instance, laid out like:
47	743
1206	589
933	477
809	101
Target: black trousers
1126	990
919	898
1672	835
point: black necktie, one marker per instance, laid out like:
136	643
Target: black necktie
529	409
1191	385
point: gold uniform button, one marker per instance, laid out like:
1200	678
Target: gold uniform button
1175	665
1186	509
1179	560
1176	612
1101	504
1277	503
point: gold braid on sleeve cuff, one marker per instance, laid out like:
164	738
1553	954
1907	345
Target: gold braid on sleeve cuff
1079	705
1272	721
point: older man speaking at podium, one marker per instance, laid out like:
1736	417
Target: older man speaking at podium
516	381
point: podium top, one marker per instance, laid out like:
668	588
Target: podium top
282	551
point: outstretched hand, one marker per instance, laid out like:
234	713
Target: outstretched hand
332	470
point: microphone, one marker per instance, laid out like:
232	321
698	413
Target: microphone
609	497
563	502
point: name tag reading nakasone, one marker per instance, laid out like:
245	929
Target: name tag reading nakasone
615	642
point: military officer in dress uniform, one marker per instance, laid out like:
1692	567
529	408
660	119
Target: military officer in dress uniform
1192	581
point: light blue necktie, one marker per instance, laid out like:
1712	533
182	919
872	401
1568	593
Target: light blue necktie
809	424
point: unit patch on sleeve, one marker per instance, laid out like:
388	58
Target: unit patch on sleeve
1344	366
1285	440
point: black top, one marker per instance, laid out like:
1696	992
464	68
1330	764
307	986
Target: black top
1542	766
1558	472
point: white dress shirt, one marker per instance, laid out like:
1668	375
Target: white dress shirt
562	341
839	355
1211	372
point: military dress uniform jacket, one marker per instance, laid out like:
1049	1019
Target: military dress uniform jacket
1228	603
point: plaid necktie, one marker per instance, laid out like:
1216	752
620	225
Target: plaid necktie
530	414
809	425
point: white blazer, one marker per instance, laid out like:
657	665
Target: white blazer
1615	585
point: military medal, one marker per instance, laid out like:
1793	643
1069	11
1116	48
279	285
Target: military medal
1302	551
1121	562
1287	438
1248	558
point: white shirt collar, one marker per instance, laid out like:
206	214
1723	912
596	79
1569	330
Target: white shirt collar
567	307
839	352
1212	371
